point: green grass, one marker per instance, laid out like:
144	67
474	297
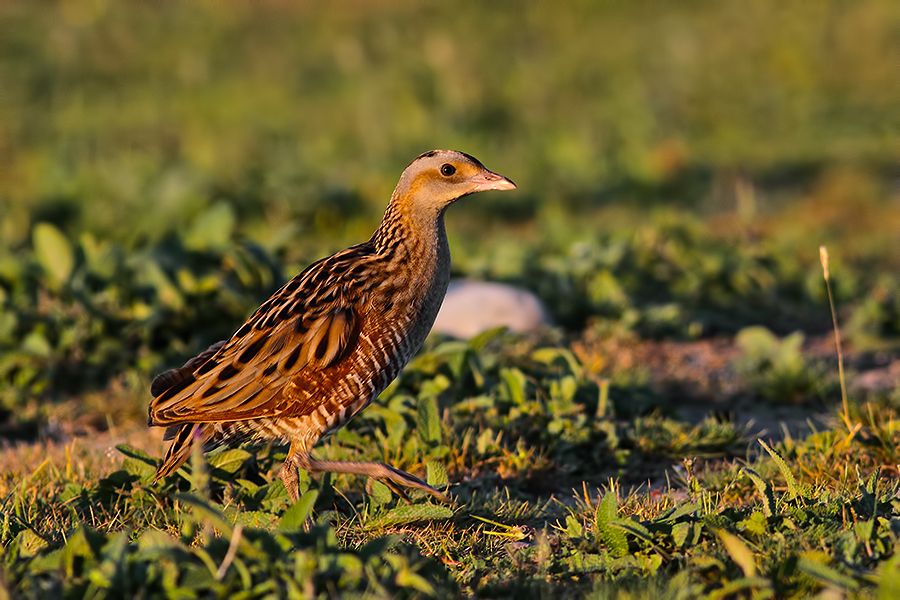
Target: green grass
534	471
164	168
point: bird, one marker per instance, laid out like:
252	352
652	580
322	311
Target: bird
331	339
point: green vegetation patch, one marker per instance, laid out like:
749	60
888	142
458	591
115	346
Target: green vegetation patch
165	167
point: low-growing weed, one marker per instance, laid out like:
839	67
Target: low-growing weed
512	428
776	370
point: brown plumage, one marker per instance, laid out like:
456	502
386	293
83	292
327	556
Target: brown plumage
330	340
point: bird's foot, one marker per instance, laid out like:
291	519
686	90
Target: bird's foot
394	478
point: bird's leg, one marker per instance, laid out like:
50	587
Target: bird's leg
289	475
387	474
291	479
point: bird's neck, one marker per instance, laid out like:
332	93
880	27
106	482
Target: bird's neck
416	229
416	248
416	238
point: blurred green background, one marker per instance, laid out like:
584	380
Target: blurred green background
127	119
163	166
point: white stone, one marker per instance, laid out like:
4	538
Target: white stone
471	307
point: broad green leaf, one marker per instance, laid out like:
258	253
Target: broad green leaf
474	404
613	537
765	490
515	382
481	340
397	432
793	488
138	468
83	544
574	528
632	527
350	565
8	321
567	388
156	540
409	579
755	524
71	490
757	341
680	511
871	485
485	440
295	517
679	533
738	551
436	474
113	558
456	353
54	252
607	509
814	565
257	519
581	562
380	493
129	450
889	586
202	513
35	344
433	387
102	258
428	422
197	577
213	228
732	589
137	463
451	347
410	514
705	561
230	460
790	348
168	295
28	543
475	368
550	355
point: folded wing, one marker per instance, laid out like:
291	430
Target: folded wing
244	377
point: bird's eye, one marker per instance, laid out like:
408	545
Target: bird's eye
447	170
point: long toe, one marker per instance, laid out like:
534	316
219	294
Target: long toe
397	490
411	481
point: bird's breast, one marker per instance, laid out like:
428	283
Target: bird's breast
400	302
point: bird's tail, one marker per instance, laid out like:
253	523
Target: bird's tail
180	450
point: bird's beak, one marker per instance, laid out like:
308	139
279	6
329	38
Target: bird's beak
488	180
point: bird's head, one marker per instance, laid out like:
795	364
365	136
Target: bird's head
436	179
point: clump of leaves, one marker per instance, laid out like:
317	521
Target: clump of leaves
875	322
163	541
791	543
775	369
212	555
73	315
